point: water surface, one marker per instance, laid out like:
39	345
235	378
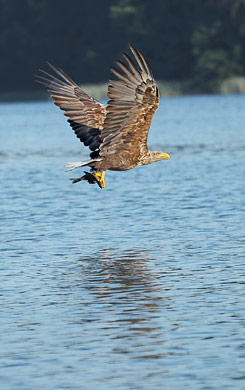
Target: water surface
136	286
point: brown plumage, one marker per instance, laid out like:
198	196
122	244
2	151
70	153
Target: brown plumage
116	134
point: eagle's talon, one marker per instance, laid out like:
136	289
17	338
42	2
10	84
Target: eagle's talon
101	178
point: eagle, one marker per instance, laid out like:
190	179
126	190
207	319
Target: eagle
117	133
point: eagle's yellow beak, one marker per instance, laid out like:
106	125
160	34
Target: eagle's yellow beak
165	156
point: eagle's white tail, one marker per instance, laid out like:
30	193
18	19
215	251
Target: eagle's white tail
73	165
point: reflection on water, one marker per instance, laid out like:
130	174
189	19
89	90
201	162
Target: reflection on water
138	286
119	273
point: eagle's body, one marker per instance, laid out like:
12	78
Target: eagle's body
117	133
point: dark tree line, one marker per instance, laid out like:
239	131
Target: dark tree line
197	40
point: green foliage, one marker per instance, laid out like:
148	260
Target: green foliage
213	61
233	85
195	44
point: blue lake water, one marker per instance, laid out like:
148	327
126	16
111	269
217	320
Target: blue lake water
139	285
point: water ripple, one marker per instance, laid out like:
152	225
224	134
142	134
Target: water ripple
139	286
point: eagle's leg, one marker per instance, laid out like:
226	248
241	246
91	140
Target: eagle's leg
98	174
102	180
101	177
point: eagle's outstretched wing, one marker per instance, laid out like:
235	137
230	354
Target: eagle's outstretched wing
133	101
86	115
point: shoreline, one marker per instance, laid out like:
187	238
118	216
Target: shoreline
233	85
